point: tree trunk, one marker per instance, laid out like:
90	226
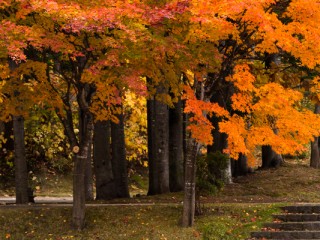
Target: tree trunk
189	184
21	172
88	176
119	161
220	142
315	158
176	157
151	147
315	145
270	159
240	166
105	185
80	163
158	144
79	197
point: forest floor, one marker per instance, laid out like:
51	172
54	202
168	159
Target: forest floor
237	210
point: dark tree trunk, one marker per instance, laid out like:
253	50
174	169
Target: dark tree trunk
240	166
88	177
119	161
151	120
158	145
21	172
176	153
270	159
189	184
80	163
105	185
81	155
220	142
79	197
315	145
315	158
158	129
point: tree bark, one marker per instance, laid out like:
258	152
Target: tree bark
21	172
159	142
80	162
176	154
315	153
81	156
119	161
79	197
88	176
270	159
240	166
105	185
151	121
189	184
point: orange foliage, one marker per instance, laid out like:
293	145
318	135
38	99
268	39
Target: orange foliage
124	40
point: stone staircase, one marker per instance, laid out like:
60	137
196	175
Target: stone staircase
296	222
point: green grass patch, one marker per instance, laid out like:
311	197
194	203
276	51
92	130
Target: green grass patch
221	221
235	221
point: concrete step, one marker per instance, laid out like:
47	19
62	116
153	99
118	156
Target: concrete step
286	235
294	226
307	208
297	217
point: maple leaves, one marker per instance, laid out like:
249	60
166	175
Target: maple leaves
120	41
272	117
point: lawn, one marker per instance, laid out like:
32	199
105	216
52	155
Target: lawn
236	211
220	221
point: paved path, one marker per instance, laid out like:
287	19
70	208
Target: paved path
9	202
40	200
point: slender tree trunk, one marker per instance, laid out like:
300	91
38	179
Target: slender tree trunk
270	159
88	176
152	166
315	158
79	197
80	163
240	166
176	153
162	139
105	185
21	172
315	145
158	143
189	184
119	161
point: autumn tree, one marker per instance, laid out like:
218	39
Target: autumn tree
250	30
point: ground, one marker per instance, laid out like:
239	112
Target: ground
236	211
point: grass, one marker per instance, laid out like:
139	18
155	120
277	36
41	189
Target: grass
221	221
236	211
295	181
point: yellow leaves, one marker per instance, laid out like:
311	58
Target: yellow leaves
4	72
136	126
